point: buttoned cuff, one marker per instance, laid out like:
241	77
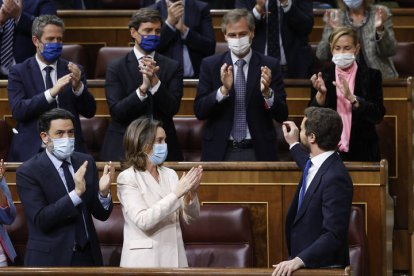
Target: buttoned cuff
76	200
80	91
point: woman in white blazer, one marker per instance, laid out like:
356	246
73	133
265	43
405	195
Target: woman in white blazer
152	199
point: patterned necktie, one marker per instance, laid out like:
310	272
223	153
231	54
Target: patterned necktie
7	44
273	30
80	235
304	177
239	123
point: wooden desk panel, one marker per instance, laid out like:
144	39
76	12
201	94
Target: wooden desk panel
267	188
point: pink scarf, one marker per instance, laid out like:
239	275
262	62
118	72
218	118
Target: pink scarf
343	106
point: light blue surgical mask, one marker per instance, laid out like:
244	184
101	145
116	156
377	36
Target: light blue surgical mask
353	4
63	147
159	153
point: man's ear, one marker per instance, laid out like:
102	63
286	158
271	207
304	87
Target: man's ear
44	137
312	138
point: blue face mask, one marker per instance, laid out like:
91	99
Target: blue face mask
63	147
159	153
149	42
52	51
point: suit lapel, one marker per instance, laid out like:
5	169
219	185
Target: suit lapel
36	76
51	174
132	64
253	77
314	186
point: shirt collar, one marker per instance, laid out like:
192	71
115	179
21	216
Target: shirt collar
318	160
42	65
57	163
246	58
140	55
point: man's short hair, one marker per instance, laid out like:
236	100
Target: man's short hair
325	124
40	23
54	114
234	15
144	15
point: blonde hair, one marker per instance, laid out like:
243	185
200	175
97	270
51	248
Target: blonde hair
341	31
139	135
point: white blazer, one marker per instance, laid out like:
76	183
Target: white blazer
152	233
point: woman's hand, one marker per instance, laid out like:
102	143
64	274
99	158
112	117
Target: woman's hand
343	86
381	16
190	181
331	18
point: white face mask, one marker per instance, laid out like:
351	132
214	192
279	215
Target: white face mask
239	46
343	60
353	4
63	147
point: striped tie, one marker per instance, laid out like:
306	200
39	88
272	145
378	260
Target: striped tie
239	122
7	44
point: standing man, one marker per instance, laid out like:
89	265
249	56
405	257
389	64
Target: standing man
60	190
239	94
43	82
16	19
317	220
282	31
143	83
187	35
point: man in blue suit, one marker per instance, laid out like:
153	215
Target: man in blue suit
187	35
317	220
282	31
239	123
23	13
43	82
60	190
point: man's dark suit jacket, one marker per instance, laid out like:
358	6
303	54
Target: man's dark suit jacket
220	116
23	47
122	80
27	101
200	40
363	142
50	213
297	24
318	232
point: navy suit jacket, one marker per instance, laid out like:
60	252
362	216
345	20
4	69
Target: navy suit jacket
50	213
122	81
200	40
27	101
363	140
220	116
318	232
23	47
296	26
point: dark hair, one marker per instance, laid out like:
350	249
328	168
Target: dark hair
41	21
46	118
139	134
325	124
235	15
144	15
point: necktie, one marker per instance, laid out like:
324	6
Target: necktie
273	30
48	79
304	177
239	123
7	44
80	235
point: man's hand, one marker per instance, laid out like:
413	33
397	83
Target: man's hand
75	76
175	12
226	76
12	8
287	267
260	6
106	179
265	80
290	132
58	87
149	69
80	184
181	26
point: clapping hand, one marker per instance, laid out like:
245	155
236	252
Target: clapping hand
381	16
331	17
106	179
189	182
226	76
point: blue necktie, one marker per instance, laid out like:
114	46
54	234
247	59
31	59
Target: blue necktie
7	44
48	79
239	123
304	177
80	235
